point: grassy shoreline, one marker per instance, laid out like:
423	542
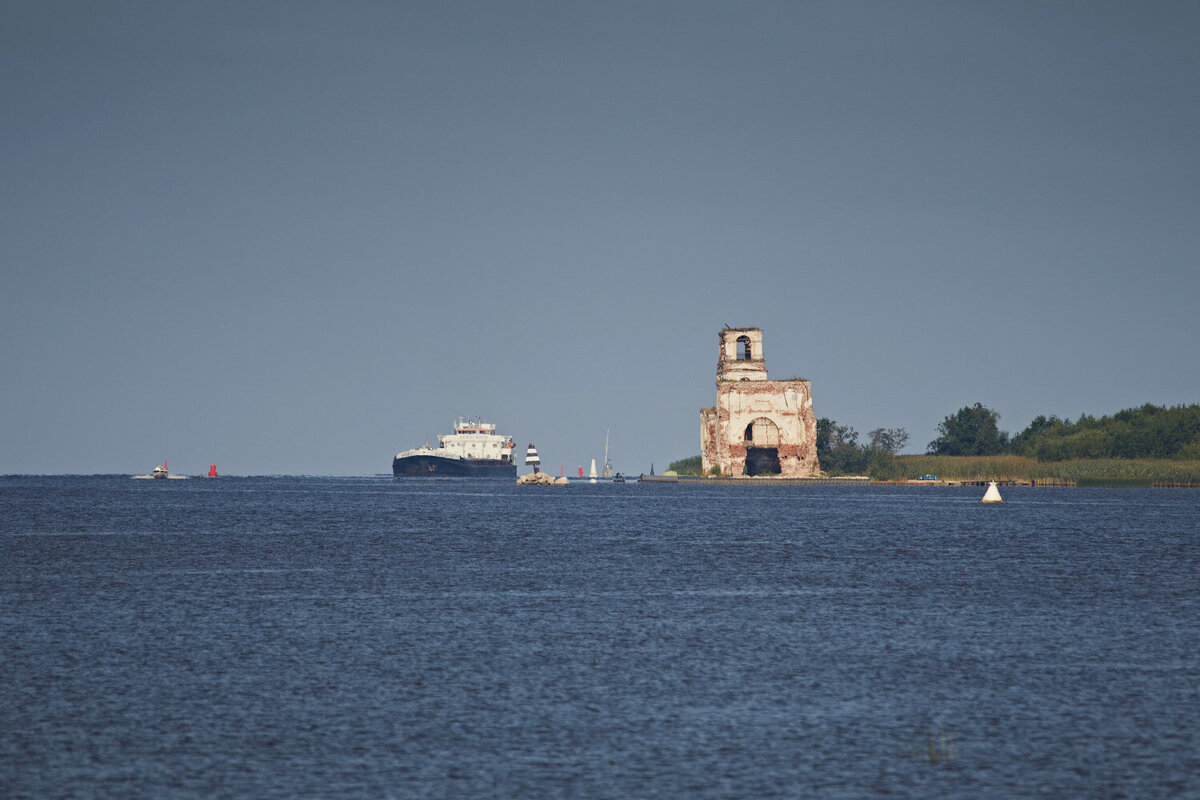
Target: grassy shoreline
1025	470
1075	472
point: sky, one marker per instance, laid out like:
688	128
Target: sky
298	237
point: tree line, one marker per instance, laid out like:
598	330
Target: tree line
1149	431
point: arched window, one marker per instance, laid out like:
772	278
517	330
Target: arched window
743	349
762	432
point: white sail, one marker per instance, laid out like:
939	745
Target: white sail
606	471
592	472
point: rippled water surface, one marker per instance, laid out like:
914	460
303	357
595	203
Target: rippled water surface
328	637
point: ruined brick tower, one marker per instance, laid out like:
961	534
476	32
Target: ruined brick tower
759	426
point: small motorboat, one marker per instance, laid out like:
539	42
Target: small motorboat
160	471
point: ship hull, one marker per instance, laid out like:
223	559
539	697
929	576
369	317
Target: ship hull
439	467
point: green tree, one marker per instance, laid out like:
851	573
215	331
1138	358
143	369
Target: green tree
1190	451
884	466
972	431
686	466
891	440
838	450
1040	430
882	446
1146	432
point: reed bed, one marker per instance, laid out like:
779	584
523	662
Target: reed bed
969	468
1130	471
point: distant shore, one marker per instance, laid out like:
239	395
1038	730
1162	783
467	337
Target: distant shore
1016	471
1129	483
860	480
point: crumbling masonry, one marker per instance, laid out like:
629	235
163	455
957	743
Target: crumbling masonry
759	427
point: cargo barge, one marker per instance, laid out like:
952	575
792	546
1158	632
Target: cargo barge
474	450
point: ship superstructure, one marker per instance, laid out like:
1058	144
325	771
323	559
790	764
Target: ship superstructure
473	450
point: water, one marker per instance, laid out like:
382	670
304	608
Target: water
322	637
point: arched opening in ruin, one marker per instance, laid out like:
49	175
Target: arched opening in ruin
761	432
762	448
743	348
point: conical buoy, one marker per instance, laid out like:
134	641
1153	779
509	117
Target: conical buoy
992	495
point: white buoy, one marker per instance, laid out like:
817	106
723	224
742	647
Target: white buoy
992	495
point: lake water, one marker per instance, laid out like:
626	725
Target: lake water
330	637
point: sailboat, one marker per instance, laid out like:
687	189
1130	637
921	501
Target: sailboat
592	472
607	471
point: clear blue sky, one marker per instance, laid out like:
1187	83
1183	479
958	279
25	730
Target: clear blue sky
296	237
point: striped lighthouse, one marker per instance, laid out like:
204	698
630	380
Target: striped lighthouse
531	458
